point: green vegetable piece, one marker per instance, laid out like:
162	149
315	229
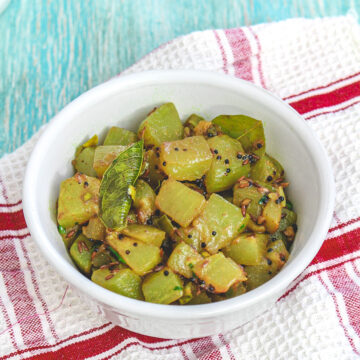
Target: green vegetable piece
272	213
187	159
193	295
248	248
95	229
201	298
195	236
219	222
80	252
225	168
235	290
267	169
70	235
260	274
146	233
104	156
183	258
254	227
78	200
115	200
288	218
144	202
162	287
61	230
219	272
155	175
119	136
162	124
93	141
125	282
139	256
102	258
84	161
289	205
192	121
165	224
248	131
277	253
117	255
179	202
251	192
189	290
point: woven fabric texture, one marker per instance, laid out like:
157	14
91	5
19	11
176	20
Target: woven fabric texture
314	65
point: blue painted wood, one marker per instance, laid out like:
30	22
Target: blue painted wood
52	51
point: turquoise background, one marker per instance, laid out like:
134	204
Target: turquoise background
52	51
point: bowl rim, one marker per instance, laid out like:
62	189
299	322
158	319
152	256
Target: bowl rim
174	312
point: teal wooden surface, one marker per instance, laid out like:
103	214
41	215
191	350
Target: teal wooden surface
52	51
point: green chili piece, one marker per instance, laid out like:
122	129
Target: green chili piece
289	205
61	230
117	255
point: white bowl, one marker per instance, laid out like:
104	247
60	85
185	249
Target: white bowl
125	101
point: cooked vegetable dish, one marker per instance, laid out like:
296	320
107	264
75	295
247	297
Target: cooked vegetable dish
178	213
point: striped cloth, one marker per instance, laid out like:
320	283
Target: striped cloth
314	65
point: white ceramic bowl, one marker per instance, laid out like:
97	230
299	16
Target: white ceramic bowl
125	101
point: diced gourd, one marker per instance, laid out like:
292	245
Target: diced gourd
281	193
219	222
191	123
162	287
259	274
288	218
162	124
140	257
235	290
203	127
84	161
144	202
92	142
165	224
248	248
194	295
183	258
272	213
219	272
254	227
242	193
267	169
146	233
80	252
104	156
68	235
195	236
278	235
179	202
78	200
95	229
226	167
154	174
198	299
102	257
187	159
124	282
248	131
189	290
277	253
119	136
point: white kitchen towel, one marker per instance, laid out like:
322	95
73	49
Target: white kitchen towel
314	65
